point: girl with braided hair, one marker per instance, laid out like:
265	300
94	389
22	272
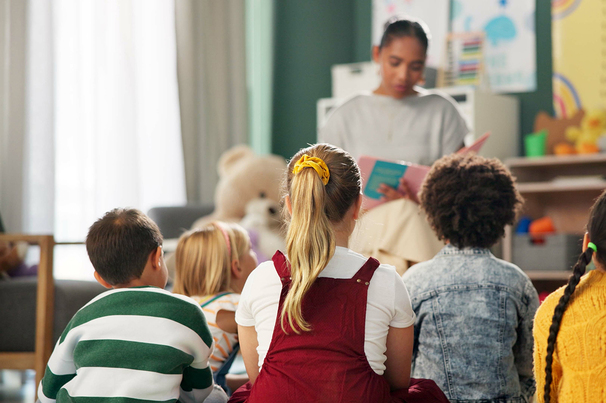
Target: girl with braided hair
570	326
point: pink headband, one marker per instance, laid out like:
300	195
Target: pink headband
226	236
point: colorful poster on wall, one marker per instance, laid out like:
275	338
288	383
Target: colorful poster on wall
433	12
579	55
509	28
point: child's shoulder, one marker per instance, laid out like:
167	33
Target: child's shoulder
143	305
264	275
265	270
421	269
143	301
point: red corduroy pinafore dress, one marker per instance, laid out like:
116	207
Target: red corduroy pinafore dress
327	364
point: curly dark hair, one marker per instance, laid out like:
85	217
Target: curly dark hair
469	199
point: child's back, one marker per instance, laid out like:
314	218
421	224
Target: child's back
570	347
135	342
224	341
474	313
473	332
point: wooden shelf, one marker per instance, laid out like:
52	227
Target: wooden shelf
553	187
553	160
560	187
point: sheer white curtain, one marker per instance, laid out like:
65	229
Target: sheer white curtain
26	118
118	133
89	115
117	130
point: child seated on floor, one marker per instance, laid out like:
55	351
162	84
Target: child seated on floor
212	265
570	326
474	312
135	341
323	323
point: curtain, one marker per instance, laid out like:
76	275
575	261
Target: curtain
26	121
12	112
89	115
118	127
211	59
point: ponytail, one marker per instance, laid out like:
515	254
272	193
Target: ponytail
310	243
573	281
319	199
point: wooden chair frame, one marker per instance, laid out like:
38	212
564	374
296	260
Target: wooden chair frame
45	305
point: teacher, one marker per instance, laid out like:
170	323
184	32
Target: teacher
397	121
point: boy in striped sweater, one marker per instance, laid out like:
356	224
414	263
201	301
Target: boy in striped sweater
135	342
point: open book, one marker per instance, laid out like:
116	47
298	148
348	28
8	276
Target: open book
376	172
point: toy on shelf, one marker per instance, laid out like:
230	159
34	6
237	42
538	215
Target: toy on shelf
564	149
556	131
541	226
535	144
523	225
585	137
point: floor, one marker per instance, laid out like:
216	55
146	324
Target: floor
17	386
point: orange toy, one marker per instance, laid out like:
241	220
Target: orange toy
564	149
541	226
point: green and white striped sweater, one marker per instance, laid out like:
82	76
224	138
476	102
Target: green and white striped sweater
139	344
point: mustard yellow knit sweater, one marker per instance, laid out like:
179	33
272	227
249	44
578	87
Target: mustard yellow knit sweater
579	359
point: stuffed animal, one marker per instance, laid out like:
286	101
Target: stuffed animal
244	176
556	131
262	221
12	258
248	183
585	138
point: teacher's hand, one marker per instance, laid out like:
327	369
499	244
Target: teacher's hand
390	194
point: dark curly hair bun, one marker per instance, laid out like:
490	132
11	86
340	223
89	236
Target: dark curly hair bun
469	200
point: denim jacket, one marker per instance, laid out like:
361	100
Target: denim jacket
473	332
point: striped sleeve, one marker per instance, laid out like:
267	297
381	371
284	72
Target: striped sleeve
59	371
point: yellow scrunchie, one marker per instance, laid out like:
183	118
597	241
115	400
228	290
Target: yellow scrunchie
313	162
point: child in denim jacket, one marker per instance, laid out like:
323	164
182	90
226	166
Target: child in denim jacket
474	312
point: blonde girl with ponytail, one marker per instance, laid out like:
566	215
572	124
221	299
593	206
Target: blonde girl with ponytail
321	322
570	326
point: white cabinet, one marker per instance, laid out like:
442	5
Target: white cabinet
485	112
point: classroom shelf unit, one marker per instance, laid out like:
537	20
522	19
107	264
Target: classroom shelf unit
563	188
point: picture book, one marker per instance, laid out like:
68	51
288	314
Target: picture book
376	172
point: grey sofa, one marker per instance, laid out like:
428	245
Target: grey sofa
18	309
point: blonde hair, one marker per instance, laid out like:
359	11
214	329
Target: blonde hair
204	258
316	208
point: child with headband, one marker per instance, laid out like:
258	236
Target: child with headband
570	326
212	265
322	323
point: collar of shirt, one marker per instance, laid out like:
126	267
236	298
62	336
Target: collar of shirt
453	250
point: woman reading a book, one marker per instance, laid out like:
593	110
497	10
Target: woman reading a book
397	121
